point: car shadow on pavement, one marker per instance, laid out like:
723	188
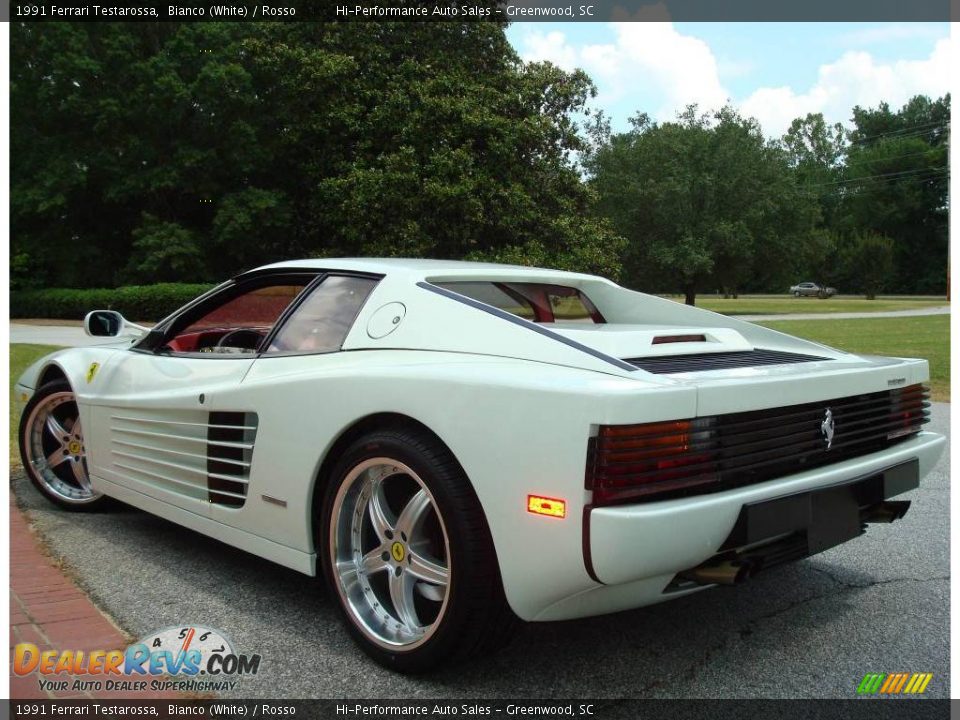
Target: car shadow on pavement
802	630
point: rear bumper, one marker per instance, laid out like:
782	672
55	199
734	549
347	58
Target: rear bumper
633	552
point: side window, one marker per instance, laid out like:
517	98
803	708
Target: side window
239	324
321	322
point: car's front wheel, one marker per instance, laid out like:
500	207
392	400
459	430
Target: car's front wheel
52	448
408	554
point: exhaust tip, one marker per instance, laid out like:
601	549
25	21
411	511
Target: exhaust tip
888	511
725	572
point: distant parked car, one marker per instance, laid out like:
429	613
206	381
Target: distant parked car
809	289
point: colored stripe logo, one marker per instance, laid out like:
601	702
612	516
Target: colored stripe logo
894	683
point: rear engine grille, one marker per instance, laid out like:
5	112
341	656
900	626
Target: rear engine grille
701	362
656	461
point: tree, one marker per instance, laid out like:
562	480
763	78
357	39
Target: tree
703	202
896	185
246	143
817	152
869	262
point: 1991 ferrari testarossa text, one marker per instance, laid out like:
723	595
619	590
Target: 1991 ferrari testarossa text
456	445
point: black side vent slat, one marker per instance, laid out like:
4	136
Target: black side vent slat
701	362
229	460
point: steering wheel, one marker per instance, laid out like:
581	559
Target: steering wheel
240	338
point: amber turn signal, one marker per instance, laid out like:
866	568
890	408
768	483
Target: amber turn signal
546	506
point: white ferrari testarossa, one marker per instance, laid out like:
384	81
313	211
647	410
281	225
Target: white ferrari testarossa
456	445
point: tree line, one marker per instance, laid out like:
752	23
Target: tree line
156	152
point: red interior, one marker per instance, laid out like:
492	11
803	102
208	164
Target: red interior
193	341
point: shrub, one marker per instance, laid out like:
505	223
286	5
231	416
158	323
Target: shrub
135	302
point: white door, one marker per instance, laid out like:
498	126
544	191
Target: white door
167	419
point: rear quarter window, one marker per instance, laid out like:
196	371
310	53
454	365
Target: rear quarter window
320	323
537	302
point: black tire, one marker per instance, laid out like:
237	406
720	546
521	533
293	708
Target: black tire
83	501
475	618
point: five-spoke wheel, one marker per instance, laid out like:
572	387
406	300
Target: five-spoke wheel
391	553
52	448
408	554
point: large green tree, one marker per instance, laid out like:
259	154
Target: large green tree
188	151
705	202
896	185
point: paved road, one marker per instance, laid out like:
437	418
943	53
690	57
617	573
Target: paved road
917	312
812	629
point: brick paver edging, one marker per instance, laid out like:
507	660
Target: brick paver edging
50	611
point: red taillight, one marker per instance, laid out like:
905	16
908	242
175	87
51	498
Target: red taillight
632	461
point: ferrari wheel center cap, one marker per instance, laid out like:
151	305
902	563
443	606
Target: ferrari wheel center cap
398	551
75	447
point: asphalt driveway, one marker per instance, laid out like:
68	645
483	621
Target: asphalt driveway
812	629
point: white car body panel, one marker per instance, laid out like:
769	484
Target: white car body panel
516	408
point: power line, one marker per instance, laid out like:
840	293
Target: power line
879	175
877	183
868	161
921	129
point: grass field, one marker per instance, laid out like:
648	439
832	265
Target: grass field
21	356
921	337
760	305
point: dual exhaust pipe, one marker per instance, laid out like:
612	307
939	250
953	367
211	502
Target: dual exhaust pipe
887	512
736	569
723	572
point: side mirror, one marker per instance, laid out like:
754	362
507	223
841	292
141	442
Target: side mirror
109	323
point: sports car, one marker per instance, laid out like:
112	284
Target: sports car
455	446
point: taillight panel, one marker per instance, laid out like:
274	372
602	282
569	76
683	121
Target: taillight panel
653	461
630	461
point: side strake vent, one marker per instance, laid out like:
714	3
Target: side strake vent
230	440
701	362
200	455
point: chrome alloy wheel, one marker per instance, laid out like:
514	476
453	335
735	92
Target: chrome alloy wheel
390	554
55	451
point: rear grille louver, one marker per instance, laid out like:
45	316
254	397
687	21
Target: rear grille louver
205	456
727	451
701	362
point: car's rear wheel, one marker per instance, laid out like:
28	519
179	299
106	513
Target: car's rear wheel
52	448
408	554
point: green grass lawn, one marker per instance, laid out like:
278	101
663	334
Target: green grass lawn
753	305
920	337
21	357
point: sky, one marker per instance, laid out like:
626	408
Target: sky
771	71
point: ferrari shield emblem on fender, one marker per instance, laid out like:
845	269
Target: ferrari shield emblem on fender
827	428
92	371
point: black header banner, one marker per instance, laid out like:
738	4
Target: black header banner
480	10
